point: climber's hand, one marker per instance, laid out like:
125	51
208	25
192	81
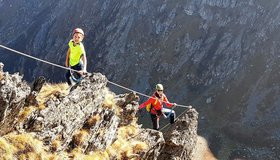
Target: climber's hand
174	105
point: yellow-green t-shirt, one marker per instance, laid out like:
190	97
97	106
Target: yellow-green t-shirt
76	52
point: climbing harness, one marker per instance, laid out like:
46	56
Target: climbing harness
75	76
169	114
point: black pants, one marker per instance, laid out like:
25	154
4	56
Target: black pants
155	121
77	67
166	112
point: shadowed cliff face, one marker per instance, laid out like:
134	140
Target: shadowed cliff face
220	55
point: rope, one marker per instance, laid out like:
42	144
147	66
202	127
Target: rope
144	95
66	68
37	59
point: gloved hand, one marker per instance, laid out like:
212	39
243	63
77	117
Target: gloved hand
83	73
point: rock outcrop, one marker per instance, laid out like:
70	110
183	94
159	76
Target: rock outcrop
181	138
13	93
89	118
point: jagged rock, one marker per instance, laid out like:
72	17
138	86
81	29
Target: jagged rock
181	137
35	89
178	142
155	141
85	119
104	132
64	118
124	99
13	92
1	67
129	105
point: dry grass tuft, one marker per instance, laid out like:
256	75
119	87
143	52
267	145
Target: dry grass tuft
41	106
98	155
124	147
138	147
25	113
56	144
127	131
121	149
92	121
109	101
80	137
77	154
7	150
60	156
49	90
1	75
23	146
25	142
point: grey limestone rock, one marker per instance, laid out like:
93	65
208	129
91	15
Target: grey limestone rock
181	138
13	92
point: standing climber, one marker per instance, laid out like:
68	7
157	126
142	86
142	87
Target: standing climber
155	106
76	56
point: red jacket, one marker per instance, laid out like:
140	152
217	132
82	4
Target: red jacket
156	103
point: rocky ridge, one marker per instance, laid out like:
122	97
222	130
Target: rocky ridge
89	119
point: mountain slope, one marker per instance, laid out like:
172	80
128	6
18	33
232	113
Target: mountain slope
219	55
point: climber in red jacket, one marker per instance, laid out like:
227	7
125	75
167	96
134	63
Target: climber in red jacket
155	106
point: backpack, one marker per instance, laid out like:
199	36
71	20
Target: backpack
150	106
